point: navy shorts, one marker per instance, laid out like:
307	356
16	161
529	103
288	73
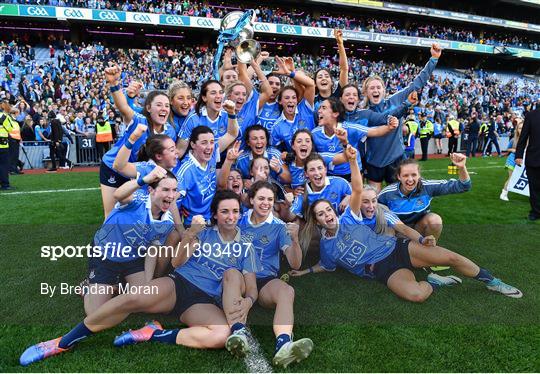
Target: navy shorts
386	173
109	177
110	272
398	259
438	136
187	295
261	282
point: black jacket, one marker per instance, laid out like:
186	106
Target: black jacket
530	132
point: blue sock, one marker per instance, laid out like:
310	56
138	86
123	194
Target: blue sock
237	326
165	336
484	276
78	333
282	339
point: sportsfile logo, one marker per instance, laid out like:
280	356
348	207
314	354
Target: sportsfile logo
37	11
174	20
108	15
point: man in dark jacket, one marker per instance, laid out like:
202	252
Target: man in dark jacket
531	133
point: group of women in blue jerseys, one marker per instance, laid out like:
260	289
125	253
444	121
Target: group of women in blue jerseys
234	188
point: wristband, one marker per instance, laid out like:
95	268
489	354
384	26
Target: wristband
421	239
252	300
140	181
231	116
280	171
129	145
311	269
292	74
115	88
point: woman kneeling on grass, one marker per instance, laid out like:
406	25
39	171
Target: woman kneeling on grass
199	307
352	245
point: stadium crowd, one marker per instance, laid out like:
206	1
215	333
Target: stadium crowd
302	17
72	83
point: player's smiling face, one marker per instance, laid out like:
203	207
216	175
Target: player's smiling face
257	142
181	102
263	202
159	109
375	91
163	195
323	80
289	101
229	76
316	173
169	157
235	182
325	215
408	177
238	95
214	97
228	212
302	145
275	85
203	148
326	115
369	203
350	98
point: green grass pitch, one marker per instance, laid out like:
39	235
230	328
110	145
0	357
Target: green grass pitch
356	325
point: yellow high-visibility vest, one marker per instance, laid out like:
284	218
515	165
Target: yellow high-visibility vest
104	133
6	126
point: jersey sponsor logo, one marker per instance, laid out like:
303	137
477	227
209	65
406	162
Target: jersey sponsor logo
73	13
140	17
204	22
353	253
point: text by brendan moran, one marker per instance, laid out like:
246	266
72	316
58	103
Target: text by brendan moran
97	289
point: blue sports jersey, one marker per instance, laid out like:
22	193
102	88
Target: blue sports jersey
242	163
414	206
298	177
384	150
268	115
213	256
179	121
330	144
354	246
197	185
269	239
247	116
108	158
218	126
132	226
283	129
334	190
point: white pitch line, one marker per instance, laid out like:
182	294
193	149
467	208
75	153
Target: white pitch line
471	168
49	191
255	361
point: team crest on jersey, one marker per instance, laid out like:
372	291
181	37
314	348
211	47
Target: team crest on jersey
265	240
301	123
112	179
92	274
333	196
419	203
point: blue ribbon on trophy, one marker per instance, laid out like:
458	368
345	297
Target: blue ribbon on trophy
236	28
